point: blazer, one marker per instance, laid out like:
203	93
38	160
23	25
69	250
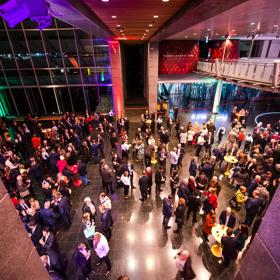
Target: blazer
231	221
50	243
167	208
48	217
229	247
106	220
144	183
37	235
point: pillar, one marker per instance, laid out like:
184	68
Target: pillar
217	97
18	257
117	79
152	75
262	260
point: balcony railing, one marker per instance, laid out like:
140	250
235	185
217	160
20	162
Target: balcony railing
256	71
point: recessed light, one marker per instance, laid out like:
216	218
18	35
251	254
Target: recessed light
144	34
233	30
275	25
155	16
217	34
150	25
105	0
114	16
118	25
235	34
252	23
165	0
147	30
186	36
208	29
194	34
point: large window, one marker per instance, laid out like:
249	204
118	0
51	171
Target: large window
53	71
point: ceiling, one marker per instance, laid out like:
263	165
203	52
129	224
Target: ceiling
247	18
133	17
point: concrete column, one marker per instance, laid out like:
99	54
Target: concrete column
152	75
117	79
18	257
217	97
262	260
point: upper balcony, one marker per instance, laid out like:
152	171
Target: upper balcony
260	73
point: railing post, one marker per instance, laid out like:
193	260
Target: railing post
218	67
276	72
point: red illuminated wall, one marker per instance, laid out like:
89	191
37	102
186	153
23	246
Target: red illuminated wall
116	66
177	57
232	50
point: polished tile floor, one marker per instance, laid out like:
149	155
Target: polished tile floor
139	247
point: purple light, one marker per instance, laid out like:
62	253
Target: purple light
15	11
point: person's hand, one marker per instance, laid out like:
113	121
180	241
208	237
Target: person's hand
41	242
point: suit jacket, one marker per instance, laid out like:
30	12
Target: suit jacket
51	244
106	220
58	263
167	208
158	177
48	217
37	235
229	247
64	206
231	220
144	183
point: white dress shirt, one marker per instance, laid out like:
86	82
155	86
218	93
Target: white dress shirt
102	248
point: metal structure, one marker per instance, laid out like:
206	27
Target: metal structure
52	71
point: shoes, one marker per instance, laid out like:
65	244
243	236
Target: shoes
107	272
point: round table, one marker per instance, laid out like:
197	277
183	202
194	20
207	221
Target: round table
230	160
218	231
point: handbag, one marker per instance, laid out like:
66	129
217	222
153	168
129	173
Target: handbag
233	203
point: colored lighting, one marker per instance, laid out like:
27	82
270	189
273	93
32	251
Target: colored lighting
102	77
114	16
155	16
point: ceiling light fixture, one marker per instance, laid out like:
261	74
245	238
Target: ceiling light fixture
209	29
156	16
147	30
275	25
217	34
186	36
194	34
165	0
150	25
105	0
114	16
252	23
118	25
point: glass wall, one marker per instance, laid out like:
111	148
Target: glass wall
52	71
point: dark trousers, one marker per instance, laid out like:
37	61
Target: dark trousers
109	187
166	220
173	166
125	190
249	218
108	233
107	262
143	195
198	150
194	220
158	186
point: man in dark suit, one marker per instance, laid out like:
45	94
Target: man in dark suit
229	247
48	242
227	218
36	233
144	183
167	210
64	208
106	222
253	206
159	179
48	217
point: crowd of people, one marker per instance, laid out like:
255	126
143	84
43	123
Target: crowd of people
41	167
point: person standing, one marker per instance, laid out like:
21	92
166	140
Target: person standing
229	247
180	215
159	179
101	249
82	260
106	221
184	266
209	222
221	133
173	157
167	210
253	206
193	167
144	185
126	183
